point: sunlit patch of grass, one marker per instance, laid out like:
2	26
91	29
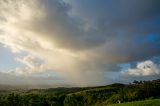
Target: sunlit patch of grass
153	102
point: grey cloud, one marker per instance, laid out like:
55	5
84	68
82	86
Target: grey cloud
117	23
58	26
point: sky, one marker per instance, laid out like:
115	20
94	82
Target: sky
79	42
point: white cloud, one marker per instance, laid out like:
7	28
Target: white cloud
33	65
146	68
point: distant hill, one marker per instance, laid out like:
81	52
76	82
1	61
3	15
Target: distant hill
6	87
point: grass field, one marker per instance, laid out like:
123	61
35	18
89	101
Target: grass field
153	102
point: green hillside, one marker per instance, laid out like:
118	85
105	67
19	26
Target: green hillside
86	96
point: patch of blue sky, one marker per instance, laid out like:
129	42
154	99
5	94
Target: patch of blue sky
124	65
7	60
153	37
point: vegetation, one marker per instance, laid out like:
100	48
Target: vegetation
87	96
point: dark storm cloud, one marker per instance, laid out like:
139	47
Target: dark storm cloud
128	24
85	25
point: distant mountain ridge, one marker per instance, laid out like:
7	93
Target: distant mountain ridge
7	87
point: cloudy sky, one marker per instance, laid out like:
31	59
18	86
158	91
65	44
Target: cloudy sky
79	42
